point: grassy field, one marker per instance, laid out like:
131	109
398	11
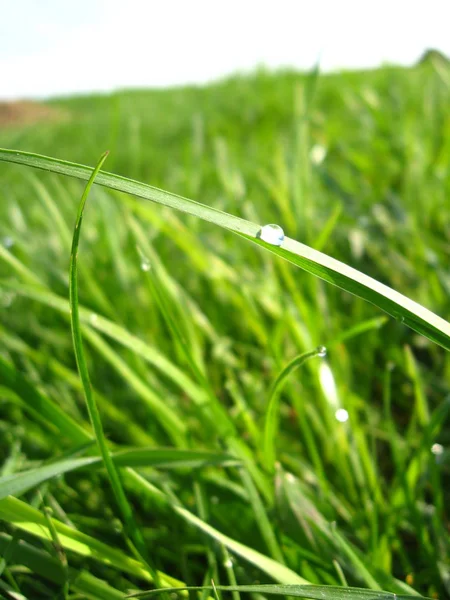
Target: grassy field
188	330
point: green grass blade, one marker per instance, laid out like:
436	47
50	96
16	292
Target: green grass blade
40	406
33	558
30	519
113	474
174	426
261	517
117	333
402	308
19	483
319	592
273	568
272	418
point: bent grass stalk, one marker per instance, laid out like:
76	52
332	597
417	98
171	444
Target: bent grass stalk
94	415
272	414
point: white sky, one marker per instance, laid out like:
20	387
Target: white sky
54	47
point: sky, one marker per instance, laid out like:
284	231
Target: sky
60	47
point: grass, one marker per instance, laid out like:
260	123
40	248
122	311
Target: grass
191	333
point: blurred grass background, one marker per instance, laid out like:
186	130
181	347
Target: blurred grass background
354	164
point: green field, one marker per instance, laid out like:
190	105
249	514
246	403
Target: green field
188	329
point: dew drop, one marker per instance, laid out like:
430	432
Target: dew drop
317	154
272	234
437	449
321	351
8	241
93	319
214	500
341	415
145	264
228	564
290	478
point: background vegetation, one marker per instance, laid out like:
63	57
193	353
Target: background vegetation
176	311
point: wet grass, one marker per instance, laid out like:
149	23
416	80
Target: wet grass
187	328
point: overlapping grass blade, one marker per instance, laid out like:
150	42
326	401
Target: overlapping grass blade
40	406
19	483
402	308
117	333
319	592
31	520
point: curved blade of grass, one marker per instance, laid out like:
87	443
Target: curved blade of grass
121	499
402	308
319	592
19	483
272	417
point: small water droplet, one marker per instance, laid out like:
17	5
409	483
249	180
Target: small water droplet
290	478
93	319
321	351
8	241
437	449
214	500
145	264
341	415
317	154
228	564
272	234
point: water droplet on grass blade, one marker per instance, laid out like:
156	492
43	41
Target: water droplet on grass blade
93	319
271	234
437	449
321	351
341	415
317	154
8	241
145	264
228	564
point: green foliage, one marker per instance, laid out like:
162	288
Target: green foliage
190	334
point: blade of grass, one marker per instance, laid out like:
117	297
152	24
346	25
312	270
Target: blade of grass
272	417
117	333
58	549
319	592
131	527
30	519
402	308
274	569
40	406
19	483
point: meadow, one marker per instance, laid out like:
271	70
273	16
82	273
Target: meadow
258	423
